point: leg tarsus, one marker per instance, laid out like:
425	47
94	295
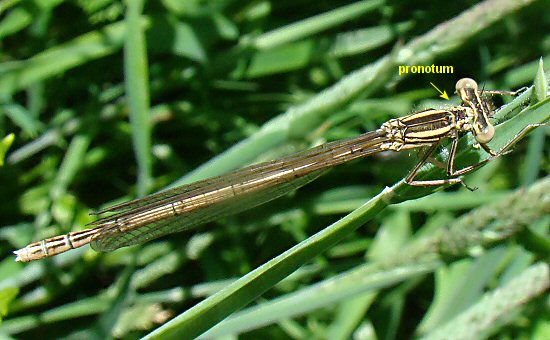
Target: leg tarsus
435	182
505	93
472	189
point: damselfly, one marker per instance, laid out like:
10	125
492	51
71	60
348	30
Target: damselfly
188	206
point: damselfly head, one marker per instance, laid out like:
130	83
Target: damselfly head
466	83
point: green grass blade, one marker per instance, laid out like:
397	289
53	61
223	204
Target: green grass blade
5	144
496	307
13	22
22	118
535	149
6	296
315	24
339	288
18	75
70	166
137	89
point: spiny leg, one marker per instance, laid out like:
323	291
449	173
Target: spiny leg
504	150
450	163
505	93
436	182
451	172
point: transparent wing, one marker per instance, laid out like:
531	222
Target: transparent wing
113	238
191	205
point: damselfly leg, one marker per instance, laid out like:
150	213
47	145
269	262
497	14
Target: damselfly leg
505	93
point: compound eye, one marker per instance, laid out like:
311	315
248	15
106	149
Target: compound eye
486	135
466	83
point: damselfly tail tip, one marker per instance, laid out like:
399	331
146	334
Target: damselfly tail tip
20	255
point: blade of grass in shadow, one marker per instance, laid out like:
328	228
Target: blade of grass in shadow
14	21
87	307
124	292
350	314
299	54
112	307
72	162
535	149
303	118
481	228
366	39
17	75
137	90
523	73
496	306
460	284
21	117
212	310
315	24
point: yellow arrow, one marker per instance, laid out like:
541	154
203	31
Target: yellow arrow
442	94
